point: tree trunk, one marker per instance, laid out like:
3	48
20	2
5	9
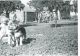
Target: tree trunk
59	14
56	19
25	17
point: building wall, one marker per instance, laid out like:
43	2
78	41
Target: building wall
30	16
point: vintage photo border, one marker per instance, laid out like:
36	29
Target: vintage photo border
78	25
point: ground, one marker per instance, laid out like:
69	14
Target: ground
46	41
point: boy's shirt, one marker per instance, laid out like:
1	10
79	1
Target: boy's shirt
3	30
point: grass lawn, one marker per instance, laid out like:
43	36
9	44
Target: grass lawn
49	41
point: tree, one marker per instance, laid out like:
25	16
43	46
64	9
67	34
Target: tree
38	4
58	5
10	5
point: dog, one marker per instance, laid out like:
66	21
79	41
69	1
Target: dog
16	33
20	35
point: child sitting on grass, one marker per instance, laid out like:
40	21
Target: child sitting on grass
3	27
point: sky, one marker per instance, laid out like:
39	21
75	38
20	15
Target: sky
25	1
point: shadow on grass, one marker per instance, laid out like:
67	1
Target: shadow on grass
59	25
28	24
28	40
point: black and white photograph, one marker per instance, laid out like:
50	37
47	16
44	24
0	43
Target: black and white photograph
38	27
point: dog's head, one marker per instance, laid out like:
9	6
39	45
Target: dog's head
13	25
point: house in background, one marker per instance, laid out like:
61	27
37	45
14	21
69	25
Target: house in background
29	14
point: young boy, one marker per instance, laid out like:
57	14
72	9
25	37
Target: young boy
3	28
